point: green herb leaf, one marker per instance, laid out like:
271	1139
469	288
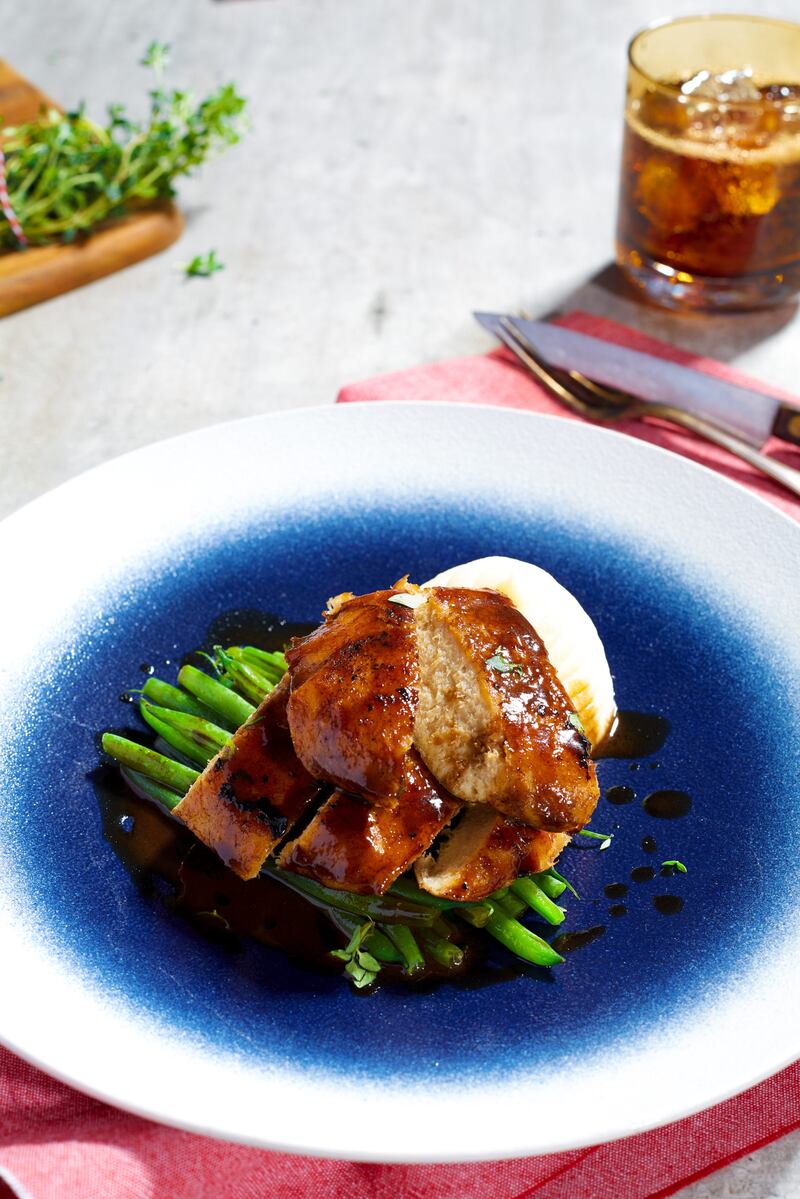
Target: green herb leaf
203	265
67	174
502	664
156	56
361	966
587	832
577	724
676	866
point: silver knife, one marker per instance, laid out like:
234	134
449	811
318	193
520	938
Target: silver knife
749	414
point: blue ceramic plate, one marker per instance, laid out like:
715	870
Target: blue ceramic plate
692	584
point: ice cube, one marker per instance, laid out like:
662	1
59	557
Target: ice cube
728	87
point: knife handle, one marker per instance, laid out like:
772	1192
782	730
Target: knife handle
787	424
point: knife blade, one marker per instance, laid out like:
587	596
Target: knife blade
751	415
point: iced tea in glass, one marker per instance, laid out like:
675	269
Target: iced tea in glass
709	210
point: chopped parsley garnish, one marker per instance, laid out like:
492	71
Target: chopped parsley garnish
203	265
577	724
362	967
502	664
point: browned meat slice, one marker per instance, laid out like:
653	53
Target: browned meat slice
252	792
493	723
357	845
486	851
354	694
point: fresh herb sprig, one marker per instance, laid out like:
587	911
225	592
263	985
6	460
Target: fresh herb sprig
66	174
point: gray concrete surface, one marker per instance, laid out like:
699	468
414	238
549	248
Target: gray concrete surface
409	160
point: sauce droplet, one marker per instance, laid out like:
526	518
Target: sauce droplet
642	874
620	795
147	668
618	909
667	805
568	942
649	845
635	735
668	905
616	890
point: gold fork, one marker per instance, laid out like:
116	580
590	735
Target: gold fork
606	405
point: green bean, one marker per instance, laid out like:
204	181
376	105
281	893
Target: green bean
512	905
521	941
242	676
440	949
408	890
225	704
197	739
272	664
552	885
167	696
141	785
367	907
146	761
406	942
532	895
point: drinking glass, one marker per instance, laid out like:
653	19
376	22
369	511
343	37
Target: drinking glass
709	207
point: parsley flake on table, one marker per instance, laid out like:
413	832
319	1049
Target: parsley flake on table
203	265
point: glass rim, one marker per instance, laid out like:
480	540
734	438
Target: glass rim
674	89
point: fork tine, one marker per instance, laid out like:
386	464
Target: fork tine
608	395
510	337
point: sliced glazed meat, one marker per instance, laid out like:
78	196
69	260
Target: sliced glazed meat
354	844
486	851
252	792
354	694
493	722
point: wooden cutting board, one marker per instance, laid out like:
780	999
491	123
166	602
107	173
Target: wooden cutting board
32	275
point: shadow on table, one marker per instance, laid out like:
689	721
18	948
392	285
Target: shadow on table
717	335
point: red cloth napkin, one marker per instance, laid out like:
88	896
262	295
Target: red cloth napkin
56	1143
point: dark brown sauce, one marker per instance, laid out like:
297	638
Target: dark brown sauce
165	860
620	795
635	735
642	874
649	845
668	905
618	909
566	943
667	805
248	626
616	890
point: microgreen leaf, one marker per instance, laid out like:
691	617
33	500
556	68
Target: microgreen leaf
502	664
156	56
576	722
675	866
362	967
203	265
